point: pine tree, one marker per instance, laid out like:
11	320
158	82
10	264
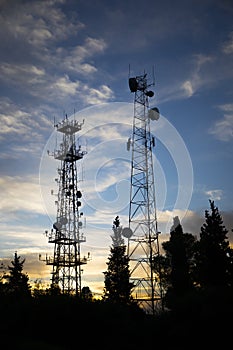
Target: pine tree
117	286
212	256
179	251
17	284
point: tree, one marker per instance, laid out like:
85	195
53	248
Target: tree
179	252
230	267
213	251
117	286
2	277
17	284
87	294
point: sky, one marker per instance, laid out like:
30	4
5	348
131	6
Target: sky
74	58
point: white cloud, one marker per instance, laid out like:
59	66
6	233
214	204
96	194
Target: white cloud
195	80
97	96
64	86
198	79
45	66
75	58
223	128
20	70
40	80
214	194
188	88
20	194
37	23
24	126
22	74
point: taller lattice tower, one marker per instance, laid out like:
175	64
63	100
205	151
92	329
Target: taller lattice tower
66	232
142	234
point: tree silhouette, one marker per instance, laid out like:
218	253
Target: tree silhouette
117	286
117	239
87	294
212	256
179	251
17	284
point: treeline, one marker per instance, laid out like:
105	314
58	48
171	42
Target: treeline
192	266
196	276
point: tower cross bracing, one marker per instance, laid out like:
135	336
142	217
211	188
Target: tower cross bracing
143	244
66	234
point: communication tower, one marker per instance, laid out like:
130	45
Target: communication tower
66	232
142	233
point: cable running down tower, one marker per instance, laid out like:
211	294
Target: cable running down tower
142	233
66	232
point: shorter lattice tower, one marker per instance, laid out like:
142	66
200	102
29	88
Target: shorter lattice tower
66	232
142	233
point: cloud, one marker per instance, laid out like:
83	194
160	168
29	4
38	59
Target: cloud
197	79
75	58
214	194
97	96
227	46
23	72
201	70
223	128
64	86
35	80
188	88
45	65
105	168
191	222
22	133
20	194
16	120
199	75
36	23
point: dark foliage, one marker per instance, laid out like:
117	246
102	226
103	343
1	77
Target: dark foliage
65	322
179	259
17	282
116	278
213	254
199	314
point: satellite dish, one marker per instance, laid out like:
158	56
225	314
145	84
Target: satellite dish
63	220
127	232
57	226
133	84
149	93
153	113
79	194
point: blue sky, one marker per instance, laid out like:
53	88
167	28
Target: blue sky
69	57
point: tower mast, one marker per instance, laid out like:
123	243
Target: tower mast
142	234
66	232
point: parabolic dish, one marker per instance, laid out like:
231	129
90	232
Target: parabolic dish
127	232
153	113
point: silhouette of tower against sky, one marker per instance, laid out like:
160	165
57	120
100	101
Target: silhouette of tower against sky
142	233
66	233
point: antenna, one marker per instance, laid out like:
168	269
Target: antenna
66	233
142	233
153	75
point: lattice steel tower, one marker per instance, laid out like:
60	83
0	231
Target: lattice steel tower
66	232
142	233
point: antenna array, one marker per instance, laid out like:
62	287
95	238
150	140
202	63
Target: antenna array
142	233
66	234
